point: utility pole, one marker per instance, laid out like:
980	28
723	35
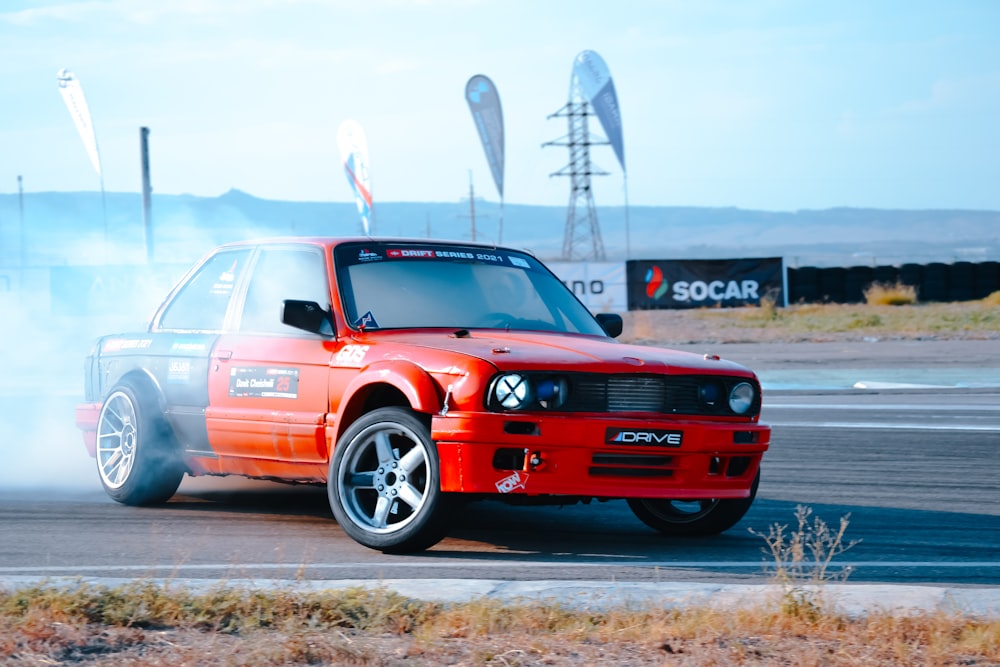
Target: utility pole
472	209
147	190
582	236
20	211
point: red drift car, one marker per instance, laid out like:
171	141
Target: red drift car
408	376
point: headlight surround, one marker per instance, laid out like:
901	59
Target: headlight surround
742	397
527	391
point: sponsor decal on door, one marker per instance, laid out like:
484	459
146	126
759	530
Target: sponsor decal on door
263	382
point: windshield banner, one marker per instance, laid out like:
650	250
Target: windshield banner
705	283
72	94
484	103
354	152
595	81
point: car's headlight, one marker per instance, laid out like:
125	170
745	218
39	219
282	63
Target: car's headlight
512	391
741	397
524	391
551	392
710	393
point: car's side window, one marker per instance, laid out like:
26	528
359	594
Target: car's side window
201	304
279	274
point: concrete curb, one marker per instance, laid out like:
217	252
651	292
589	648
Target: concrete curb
850	599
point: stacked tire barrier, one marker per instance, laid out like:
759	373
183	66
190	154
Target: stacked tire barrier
937	281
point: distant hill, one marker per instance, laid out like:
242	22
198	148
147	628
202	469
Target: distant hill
68	228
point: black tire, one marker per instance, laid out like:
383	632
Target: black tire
692	518
934	286
137	459
384	483
803	285
832	284
856	280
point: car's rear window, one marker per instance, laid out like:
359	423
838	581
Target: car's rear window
201	303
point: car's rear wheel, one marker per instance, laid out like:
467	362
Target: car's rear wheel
136	456
692	517
385	484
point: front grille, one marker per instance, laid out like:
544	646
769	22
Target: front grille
635	394
665	394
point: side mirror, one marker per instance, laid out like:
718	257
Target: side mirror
611	323
308	316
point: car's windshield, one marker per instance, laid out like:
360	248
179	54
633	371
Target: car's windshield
397	286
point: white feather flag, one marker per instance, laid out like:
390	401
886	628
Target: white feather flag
72	94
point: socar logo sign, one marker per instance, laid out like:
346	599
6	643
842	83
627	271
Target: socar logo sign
656	284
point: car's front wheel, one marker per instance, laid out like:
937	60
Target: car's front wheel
137	459
692	517
385	484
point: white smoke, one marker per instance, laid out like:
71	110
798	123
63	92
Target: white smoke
44	379
45	338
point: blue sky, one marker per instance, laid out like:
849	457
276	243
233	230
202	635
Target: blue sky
762	104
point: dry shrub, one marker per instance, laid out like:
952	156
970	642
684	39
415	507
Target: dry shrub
766	311
642	326
769	308
888	294
993	299
802	561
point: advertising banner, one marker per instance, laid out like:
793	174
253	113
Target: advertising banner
354	152
484	103
595	82
600	286
72	94
704	283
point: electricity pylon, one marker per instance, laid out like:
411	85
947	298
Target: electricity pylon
582	238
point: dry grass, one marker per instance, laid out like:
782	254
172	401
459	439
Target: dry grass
816	323
149	625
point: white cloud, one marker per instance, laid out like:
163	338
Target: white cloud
982	92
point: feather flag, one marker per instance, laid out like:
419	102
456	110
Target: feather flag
595	81
354	152
484	103
72	94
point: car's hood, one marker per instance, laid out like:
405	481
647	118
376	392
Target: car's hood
529	350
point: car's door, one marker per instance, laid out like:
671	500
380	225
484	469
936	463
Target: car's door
268	382
184	332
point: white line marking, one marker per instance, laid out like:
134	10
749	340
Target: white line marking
887	406
889	427
483	564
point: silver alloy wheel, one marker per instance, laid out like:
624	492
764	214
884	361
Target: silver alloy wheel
384	481
116	440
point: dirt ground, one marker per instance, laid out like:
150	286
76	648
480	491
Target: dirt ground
913	343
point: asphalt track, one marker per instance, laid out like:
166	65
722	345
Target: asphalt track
901	438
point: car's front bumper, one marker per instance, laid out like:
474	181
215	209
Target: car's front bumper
485	453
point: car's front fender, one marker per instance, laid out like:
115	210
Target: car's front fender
414	384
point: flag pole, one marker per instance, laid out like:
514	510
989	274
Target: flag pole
500	226
628	243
